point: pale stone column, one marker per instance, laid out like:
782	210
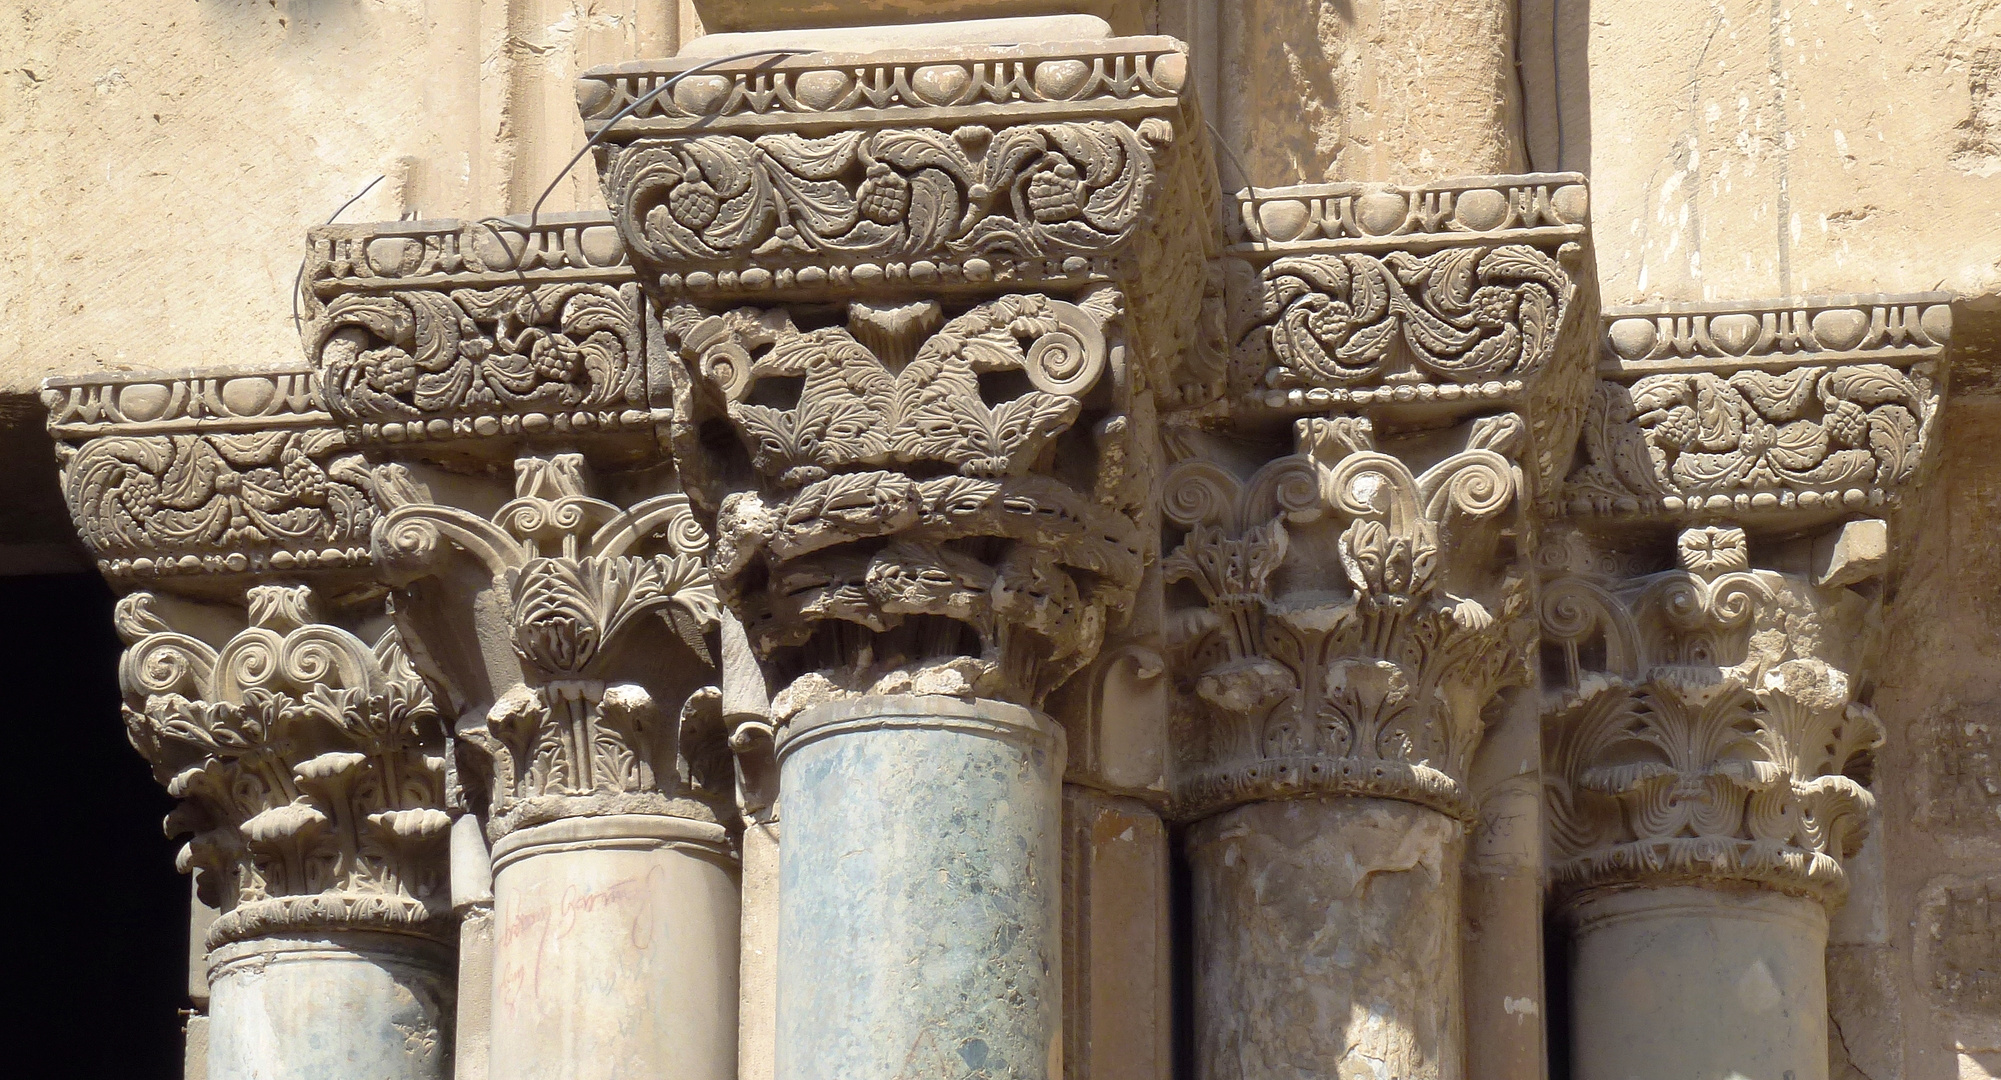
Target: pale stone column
927	517
1700	813
1372	90
1347	605
922	862
757	970
1326	940
614	881
306	1006
1686	981
308	765
616	943
1708	738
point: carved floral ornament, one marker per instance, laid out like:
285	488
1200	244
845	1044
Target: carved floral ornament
958	494
310	766
1701	739
582	732
1301	683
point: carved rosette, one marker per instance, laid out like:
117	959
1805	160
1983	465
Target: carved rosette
600	603
1705	737
309	764
942	506
1352	620
447	330
1761	412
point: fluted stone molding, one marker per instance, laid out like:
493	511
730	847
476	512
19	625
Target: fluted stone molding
1344	607
1708	743
924	301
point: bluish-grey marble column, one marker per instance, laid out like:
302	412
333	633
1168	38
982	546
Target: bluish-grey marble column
919	892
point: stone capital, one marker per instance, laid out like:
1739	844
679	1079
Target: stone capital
574	635
309	761
1710	729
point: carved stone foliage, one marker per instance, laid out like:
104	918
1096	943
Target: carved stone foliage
1705	735
435	330
1794	410
309	763
967	171
585	729
945	504
1357	295
1353	618
200	502
1470	315
1810	437
543	351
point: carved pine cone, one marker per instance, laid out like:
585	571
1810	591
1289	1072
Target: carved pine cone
1847	424
884	197
1056	194
1679	426
694	203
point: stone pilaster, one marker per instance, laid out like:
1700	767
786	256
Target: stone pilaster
923	300
1708	743
1348	526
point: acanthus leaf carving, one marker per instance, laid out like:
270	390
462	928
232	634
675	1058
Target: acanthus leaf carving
1301	683
1705	736
912	479
310	766
582	731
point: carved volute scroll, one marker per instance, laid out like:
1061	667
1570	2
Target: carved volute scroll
576	638
1707	726
1344	605
310	764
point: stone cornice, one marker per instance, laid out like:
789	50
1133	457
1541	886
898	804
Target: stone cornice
1769	413
1544	210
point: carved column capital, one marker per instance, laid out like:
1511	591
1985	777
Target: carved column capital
922	304
309	761
1347	603
556	684
1712	731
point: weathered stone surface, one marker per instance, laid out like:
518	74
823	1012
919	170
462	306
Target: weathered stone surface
1116	939
305	1007
615	943
1650	968
1325	941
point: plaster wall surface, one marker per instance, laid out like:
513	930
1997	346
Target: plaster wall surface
160	162
1750	148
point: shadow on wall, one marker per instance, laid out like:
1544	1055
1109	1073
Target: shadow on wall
1553	47
96	915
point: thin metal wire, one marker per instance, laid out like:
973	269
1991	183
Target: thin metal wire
299	279
535	212
1243	173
